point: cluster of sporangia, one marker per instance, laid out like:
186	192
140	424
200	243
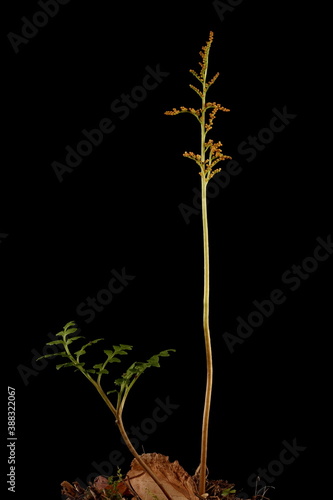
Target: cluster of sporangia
215	152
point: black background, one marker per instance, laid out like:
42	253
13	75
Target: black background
120	209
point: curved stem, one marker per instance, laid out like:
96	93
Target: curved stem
119	421
208	349
131	448
209	360
117	412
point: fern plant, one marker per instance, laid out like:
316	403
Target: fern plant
123	384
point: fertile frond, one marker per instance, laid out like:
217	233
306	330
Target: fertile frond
200	94
195	112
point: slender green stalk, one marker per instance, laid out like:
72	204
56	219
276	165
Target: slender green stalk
209	358
206	171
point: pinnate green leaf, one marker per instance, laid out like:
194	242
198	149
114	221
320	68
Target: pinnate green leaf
71	330
67	330
69	341
62	353
94	341
61	334
138	367
64	334
153	361
98	367
65	365
121	349
82	351
70	323
118	349
119	381
114	360
166	352
54	342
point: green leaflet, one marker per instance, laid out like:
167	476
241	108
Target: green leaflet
64	333
100	369
69	341
227	491
71	363
138	367
118	349
83	348
63	354
114	360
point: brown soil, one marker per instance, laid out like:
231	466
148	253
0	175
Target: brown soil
138	485
75	492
